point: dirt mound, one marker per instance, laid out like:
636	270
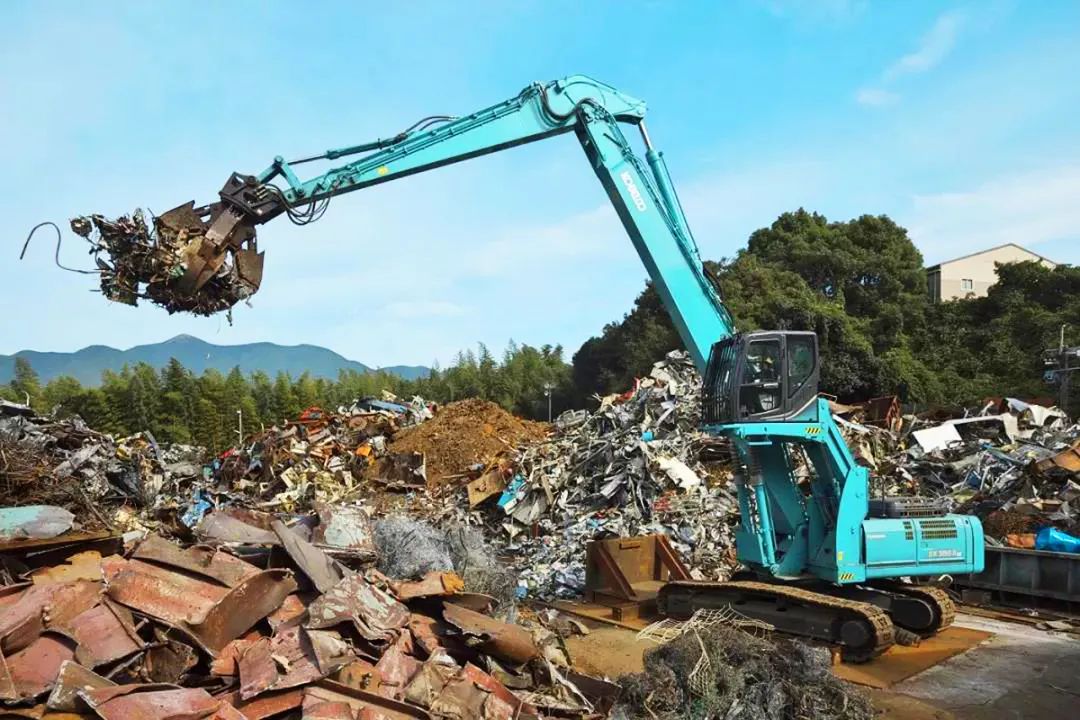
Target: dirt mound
464	433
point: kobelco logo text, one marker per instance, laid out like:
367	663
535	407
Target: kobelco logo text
635	194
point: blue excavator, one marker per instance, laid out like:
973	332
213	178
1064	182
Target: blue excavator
824	559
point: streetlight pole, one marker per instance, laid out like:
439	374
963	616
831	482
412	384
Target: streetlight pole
239	426
548	387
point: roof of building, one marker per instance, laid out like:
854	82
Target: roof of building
989	250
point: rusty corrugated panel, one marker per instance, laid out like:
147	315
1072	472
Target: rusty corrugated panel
505	698
368	706
150	702
292	611
225	663
427	684
288	660
169	596
378	617
397	667
69	681
267	705
318	709
32	671
509	642
102	636
206	562
246	604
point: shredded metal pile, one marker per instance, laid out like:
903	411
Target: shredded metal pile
136	262
637	465
725	672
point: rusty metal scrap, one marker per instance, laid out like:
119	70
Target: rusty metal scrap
161	264
375	614
503	640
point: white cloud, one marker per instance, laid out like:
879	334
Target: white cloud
876	97
414	309
1027	208
933	48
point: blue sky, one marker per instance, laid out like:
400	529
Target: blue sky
958	120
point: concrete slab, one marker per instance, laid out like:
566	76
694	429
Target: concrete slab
1017	674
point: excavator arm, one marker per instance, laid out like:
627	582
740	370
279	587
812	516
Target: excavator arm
641	192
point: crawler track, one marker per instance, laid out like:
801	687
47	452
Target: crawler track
851	618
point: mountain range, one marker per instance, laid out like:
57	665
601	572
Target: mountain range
197	355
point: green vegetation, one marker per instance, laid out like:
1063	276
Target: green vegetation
859	284
178	406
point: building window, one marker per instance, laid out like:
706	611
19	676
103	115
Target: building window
967	284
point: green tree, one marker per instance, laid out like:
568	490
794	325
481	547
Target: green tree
25	384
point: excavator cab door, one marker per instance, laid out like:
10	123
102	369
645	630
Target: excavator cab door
761	376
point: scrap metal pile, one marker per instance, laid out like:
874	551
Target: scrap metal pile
163	264
637	465
64	462
1013	464
268	616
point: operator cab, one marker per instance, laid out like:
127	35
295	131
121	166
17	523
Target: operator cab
760	376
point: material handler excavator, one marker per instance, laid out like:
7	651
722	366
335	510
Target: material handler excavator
830	562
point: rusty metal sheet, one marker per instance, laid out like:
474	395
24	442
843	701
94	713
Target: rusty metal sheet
213	615
428	683
503	640
169	660
71	679
345	531
486	486
33	670
68	600
378	617
375	706
318	709
292	611
270	704
80	566
150	702
225	663
460	698
23	618
283	661
323	571
359	674
330	650
477	602
200	560
164	594
243	606
1068	459
431	585
102	635
397	667
505	699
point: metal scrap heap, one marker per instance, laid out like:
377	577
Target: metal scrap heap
637	465
266	617
136	262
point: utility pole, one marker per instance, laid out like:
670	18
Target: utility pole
239	426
